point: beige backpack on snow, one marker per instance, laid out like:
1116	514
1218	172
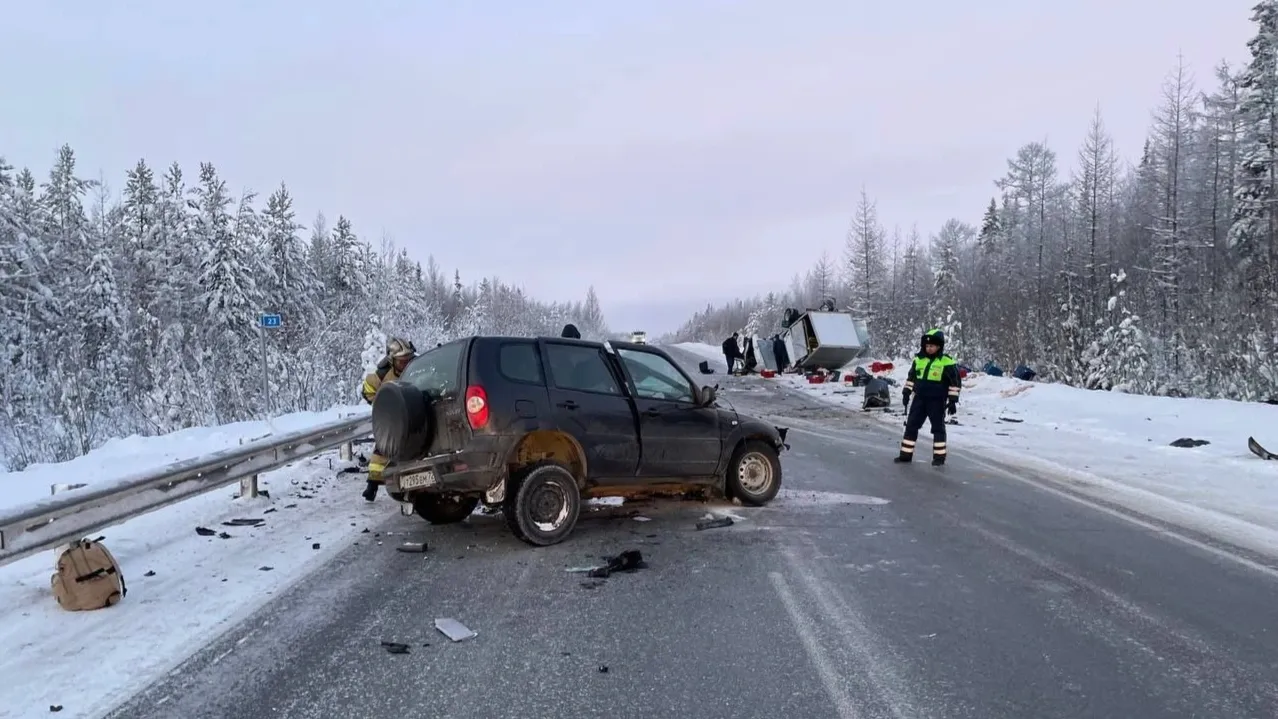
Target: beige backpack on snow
88	577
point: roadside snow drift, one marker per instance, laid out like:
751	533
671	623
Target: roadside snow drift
1117	446
184	589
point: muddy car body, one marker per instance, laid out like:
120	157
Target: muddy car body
534	426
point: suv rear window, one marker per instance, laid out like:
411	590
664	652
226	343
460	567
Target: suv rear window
437	372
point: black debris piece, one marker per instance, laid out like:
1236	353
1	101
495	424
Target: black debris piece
396	647
205	531
350	470
268	511
714	523
223	535
603	668
265	569
628	561
1010	419
1188	442
592	584
55	707
150	573
315	545
366	529
289	506
263	493
254	522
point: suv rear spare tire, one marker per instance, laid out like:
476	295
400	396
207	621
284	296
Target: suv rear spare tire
754	473
542	507
444	508
401	421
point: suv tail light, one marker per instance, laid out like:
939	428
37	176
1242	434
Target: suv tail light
476	407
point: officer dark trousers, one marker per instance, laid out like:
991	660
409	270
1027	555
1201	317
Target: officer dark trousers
933	410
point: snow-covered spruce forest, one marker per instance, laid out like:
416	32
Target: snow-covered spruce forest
137	312
1158	276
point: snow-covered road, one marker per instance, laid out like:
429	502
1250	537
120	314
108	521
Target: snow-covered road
1111	445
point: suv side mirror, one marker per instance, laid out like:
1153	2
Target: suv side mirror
708	395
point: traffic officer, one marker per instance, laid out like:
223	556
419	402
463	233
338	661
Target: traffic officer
934	382
398	354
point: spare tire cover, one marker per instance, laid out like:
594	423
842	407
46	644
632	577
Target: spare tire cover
401	421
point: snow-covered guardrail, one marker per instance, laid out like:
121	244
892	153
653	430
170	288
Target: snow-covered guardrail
68	516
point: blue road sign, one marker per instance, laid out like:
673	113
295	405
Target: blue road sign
271	321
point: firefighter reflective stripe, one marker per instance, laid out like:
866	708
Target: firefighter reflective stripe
938	448
369	390
907	446
909	385
376	465
954	391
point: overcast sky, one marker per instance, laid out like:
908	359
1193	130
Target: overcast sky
668	152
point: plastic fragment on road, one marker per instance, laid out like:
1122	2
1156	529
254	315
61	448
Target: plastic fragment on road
454	629
412	547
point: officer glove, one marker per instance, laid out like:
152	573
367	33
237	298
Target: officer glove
905	397
951	407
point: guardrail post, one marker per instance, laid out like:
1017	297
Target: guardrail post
248	485
54	489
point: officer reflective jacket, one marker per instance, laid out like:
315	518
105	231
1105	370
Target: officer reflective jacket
934	377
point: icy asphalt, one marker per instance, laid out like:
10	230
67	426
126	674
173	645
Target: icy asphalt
867	590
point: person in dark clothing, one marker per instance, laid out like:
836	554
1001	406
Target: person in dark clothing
570	331
731	351
934	382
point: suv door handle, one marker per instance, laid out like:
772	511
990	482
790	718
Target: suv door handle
651	412
567	405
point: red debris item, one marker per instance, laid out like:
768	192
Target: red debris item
888	366
816	379
877	367
849	378
962	373
767	373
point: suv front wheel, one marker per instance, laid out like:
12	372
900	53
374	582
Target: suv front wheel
754	473
542	507
444	508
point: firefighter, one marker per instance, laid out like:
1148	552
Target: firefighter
934	382
398	354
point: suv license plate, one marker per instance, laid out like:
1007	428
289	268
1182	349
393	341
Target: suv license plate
417	480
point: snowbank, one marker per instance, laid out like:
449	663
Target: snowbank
1118	445
706	352
183	589
120	457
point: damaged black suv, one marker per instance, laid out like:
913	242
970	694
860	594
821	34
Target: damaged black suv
533	426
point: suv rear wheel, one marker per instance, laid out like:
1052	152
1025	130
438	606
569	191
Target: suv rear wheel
543	507
754	473
444	508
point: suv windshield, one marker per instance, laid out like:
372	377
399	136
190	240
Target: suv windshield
436	373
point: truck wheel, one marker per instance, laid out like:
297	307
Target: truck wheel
444	508
754	473
543	507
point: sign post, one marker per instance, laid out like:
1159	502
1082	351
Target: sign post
248	485
267	322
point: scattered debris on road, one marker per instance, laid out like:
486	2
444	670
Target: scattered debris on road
628	561
149	573
715	523
205	531
1189	442
1010	419
603	668
454	629
395	647
255	522
412	547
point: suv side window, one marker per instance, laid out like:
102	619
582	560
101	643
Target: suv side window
520	362
581	368
656	378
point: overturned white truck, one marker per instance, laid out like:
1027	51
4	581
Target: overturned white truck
816	339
